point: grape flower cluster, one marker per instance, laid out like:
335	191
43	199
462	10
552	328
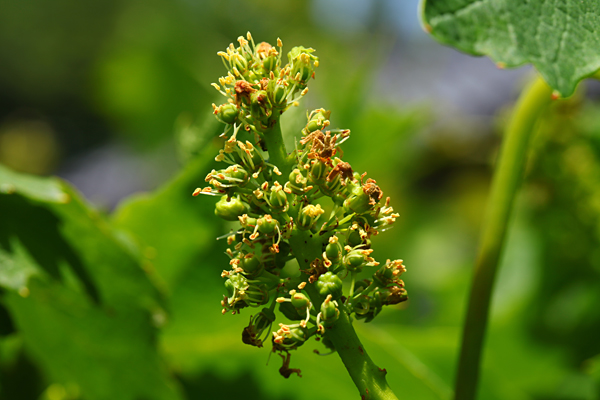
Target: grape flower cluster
306	208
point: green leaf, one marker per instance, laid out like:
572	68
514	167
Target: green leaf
85	309
560	38
171	226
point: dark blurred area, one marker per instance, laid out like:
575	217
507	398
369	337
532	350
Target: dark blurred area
114	96
92	91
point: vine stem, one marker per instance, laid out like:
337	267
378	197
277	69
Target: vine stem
368	377
532	103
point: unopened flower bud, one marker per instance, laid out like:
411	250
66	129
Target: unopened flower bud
364	198
250	263
278	198
297	182
302	63
267	224
329	311
330	283
393	295
230	209
300	301
290	337
354	261
318	172
227	113
333	250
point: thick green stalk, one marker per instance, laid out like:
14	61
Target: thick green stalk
277	153
534	100
368	378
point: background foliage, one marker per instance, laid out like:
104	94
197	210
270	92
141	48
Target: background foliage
100	301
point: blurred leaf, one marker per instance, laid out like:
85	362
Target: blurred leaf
171	225
194	136
404	364
560	38
147	76
86	311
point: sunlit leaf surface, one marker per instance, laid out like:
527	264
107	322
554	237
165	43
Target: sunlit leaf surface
560	38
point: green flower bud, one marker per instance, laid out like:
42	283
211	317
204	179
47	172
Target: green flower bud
260	104
250	263
389	273
247	222
236	172
300	301
338	199
267	224
329	311
290	337
332	187
234	175
228	113
297	182
279	94
308	216
329	283
333	251
235	282
364	198
302	63
318	172
253	76
230	209
393	295
242	294
355	261
278	198
270	63
318	119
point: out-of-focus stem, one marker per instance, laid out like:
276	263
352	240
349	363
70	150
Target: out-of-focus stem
532	103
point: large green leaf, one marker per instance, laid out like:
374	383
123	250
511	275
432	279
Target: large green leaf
85	309
560	38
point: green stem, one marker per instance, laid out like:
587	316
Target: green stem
534	100
277	153
368	378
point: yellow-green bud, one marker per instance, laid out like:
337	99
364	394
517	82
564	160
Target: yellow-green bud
230	209
329	311
330	283
228	113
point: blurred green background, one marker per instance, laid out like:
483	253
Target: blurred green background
114	96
